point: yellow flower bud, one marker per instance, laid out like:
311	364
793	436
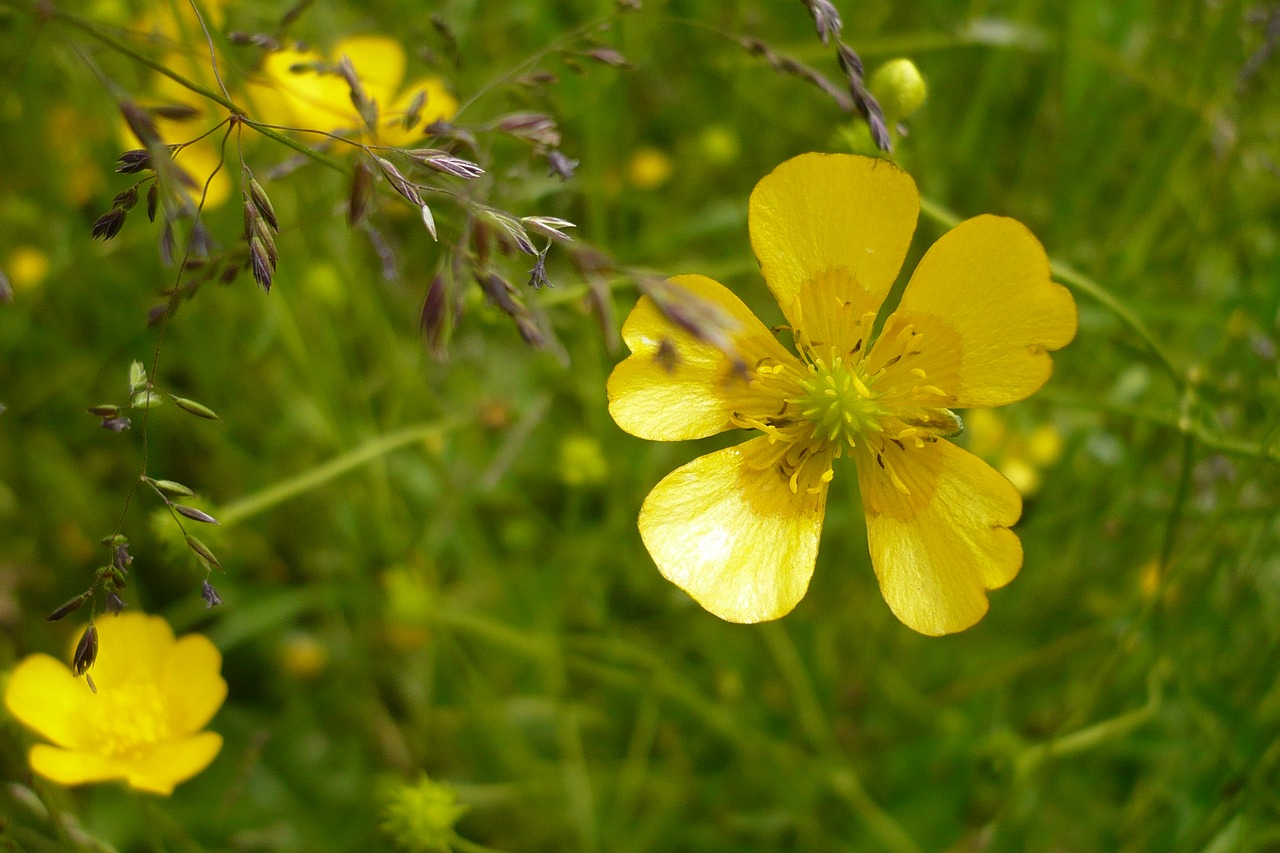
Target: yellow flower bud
899	88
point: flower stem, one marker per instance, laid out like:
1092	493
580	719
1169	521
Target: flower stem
1267	450
268	498
1087	738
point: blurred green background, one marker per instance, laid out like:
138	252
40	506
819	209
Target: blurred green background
470	597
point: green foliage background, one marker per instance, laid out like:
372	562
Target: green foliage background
459	608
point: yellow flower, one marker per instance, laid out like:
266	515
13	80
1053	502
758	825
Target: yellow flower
1018	455
299	88
649	167
738	529
28	266
154	695
582	461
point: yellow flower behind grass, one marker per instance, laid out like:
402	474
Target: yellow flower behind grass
183	117
143	726
738	529
301	89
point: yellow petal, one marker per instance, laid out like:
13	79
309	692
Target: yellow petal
46	697
379	63
160	769
132	647
733	535
832	214
303	97
695	394
939	548
191	683
439	105
988	313
73	766
157	771
202	160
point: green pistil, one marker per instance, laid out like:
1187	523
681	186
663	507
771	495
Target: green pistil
838	403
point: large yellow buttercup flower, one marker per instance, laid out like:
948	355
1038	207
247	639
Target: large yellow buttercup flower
142	726
738	529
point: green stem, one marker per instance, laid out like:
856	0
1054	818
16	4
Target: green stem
254	504
1099	733
1079	281
1183	424
891	836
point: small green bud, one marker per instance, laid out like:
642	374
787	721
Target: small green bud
899	88
171	487
203	552
198	409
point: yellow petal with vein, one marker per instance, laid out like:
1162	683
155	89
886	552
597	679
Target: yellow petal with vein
694	393
734	536
822	214
939	548
989	313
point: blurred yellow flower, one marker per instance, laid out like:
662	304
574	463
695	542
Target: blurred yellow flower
719	145
181	115
582	461
154	695
303	656
302	89
27	267
648	168
738	529
1018	455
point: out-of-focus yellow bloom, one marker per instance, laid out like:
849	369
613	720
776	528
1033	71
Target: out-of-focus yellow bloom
325	283
420	817
204	160
719	145
73	137
302	89
1019	456
176	25
143	726
648	167
27	267
582	462
1149	578
303	656
738	529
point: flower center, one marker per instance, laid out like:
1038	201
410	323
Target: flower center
838	403
130	717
